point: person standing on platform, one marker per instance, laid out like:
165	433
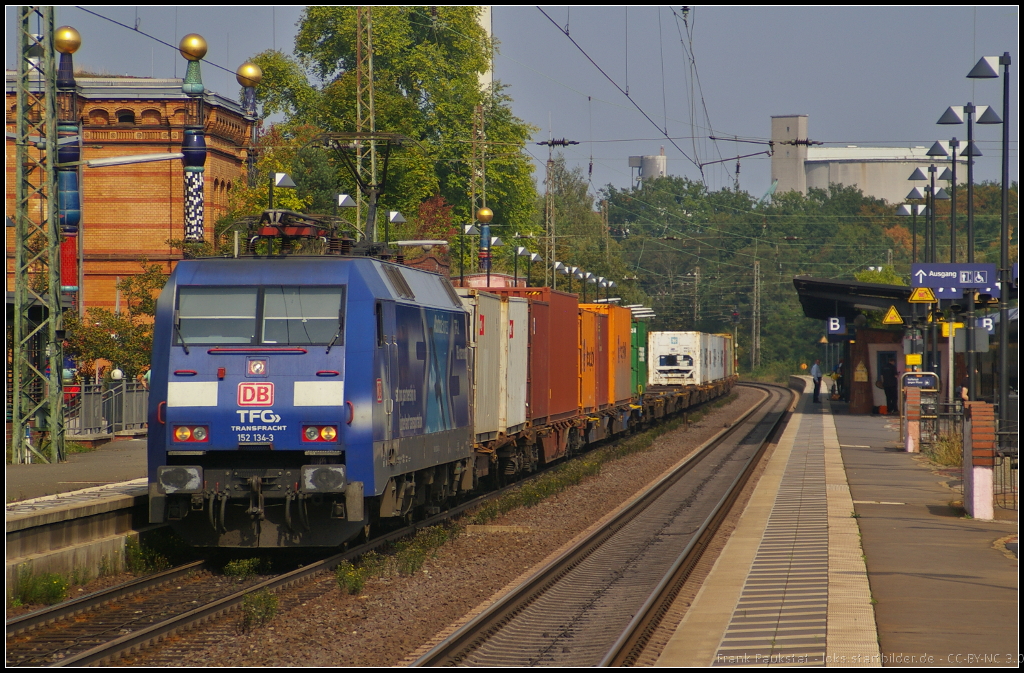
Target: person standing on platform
816	375
890	384
840	383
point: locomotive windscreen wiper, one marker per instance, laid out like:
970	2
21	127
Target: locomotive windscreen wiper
177	331
341	327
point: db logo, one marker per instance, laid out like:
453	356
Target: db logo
255	394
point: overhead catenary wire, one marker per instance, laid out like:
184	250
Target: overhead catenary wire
617	86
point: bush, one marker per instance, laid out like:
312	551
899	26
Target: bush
257	609
948	450
45	588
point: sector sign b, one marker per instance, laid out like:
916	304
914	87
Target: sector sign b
835	325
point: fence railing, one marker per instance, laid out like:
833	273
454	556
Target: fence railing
103	409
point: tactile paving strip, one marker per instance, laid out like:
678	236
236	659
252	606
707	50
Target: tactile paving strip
781	616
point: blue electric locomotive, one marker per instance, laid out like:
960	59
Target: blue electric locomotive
294	400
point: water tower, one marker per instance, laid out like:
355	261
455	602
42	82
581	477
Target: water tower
650	167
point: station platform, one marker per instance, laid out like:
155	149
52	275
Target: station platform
110	463
849	553
75	516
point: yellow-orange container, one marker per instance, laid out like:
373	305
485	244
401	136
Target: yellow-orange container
617	351
588	346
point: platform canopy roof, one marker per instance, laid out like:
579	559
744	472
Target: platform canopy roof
824	298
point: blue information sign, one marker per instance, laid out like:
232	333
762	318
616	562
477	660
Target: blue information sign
836	325
920	380
953	279
980	276
987	323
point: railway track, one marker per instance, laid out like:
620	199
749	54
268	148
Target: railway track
613	586
112	623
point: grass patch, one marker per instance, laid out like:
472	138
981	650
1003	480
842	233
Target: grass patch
44	588
141	559
403	558
257	609
947	450
243	569
75	447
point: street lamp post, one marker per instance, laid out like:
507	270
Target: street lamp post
955	115
467	230
987	68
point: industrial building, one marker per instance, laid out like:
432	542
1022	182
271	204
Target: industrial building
800	164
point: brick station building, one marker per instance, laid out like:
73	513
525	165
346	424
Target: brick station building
129	212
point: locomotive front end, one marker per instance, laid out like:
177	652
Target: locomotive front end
251	437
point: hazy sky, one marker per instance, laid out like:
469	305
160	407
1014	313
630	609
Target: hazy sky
865	76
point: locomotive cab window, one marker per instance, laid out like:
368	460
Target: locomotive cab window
302	315
216	315
276	314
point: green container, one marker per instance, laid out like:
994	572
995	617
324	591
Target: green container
639	349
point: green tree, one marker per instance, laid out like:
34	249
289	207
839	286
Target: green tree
125	338
426	64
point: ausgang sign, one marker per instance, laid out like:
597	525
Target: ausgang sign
954	276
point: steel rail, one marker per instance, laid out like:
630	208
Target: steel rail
493	618
31	620
153	633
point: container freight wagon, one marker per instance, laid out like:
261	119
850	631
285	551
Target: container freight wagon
689	358
617	343
553	387
730	354
515	361
588	342
485	343
638	379
674	358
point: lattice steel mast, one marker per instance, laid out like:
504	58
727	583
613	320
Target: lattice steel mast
36	355
365	121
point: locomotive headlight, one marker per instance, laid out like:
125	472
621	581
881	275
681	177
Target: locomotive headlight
319	433
182	433
180	478
323	478
199	434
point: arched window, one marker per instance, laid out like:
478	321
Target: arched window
99	117
150	117
125	117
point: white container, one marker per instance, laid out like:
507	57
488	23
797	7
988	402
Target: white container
486	342
515	312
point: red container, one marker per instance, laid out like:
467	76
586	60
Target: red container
554	357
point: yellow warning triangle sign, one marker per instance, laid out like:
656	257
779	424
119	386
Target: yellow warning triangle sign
922	295
892	317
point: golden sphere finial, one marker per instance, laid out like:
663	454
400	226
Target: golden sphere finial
192	47
248	74
485	215
67	40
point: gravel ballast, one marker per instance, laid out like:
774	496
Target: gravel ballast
396	615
